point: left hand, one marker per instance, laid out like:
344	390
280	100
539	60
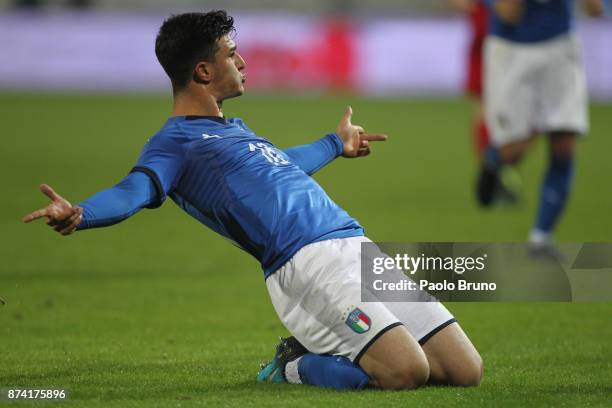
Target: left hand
356	142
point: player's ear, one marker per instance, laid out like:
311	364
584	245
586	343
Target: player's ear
202	74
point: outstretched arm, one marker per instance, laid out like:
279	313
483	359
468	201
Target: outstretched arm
349	141
107	207
135	192
313	156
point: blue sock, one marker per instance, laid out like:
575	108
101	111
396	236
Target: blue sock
554	192
331	372
491	158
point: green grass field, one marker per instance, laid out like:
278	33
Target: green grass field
158	311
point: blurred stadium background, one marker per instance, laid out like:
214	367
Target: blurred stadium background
372	47
158	311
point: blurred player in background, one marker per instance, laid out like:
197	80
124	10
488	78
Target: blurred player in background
534	84
265	201
476	13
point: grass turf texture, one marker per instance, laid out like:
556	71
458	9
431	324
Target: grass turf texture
158	311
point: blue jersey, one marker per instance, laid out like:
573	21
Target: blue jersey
542	20
244	188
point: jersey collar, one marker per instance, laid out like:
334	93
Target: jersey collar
218	119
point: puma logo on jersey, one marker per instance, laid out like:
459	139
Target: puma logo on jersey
205	136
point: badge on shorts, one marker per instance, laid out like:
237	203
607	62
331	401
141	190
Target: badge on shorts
358	321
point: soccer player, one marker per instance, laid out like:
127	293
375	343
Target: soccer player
476	12
534	83
264	200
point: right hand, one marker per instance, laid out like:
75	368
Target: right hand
61	215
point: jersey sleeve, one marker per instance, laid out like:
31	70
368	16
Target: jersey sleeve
162	160
117	203
312	157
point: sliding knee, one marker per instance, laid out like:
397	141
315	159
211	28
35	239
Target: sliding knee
470	373
404	376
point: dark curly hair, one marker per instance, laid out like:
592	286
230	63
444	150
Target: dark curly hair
185	39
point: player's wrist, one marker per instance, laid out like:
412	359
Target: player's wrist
83	224
337	143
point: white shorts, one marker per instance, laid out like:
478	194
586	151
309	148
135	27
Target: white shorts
534	88
317	295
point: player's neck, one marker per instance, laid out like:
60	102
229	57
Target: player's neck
189	104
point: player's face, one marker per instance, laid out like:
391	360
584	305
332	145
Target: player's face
229	70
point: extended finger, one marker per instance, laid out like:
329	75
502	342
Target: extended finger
35	215
348	113
375	137
346	118
49	192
